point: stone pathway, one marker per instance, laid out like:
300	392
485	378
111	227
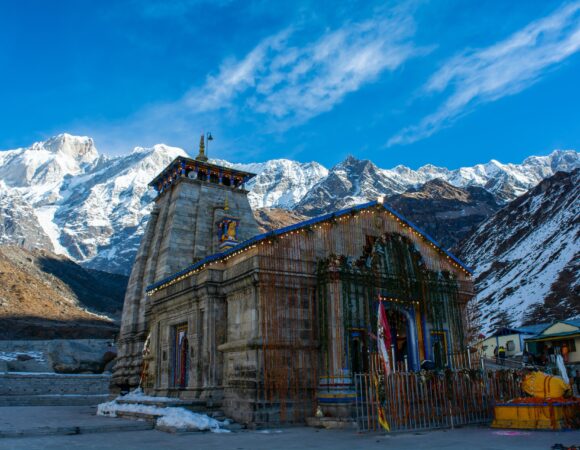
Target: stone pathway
299	438
75	427
27	421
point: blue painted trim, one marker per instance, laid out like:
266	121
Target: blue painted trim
298	226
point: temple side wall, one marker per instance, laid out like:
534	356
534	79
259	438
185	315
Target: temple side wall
220	315
199	304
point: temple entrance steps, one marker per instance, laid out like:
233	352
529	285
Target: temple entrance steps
151	409
53	389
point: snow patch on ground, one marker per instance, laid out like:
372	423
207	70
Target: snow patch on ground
13	356
137	394
179	418
182	418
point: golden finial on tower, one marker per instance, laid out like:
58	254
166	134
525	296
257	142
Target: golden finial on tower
201	156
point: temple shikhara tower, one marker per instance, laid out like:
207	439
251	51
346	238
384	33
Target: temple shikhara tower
272	326
195	215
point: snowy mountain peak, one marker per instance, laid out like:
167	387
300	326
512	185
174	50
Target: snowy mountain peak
80	148
350	162
161	150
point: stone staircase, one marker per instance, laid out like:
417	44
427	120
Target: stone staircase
52	389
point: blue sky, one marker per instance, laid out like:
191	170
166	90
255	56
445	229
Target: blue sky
410	82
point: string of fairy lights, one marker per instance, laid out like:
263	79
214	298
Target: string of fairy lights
398	300
308	228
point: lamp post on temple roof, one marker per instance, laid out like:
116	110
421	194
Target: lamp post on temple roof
208	137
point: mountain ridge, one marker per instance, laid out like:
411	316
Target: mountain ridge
93	208
526	255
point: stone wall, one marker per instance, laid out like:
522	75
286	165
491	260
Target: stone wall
29	389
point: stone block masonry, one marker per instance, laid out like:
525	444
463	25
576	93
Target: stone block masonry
182	230
35	389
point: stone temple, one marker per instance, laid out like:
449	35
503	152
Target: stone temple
273	326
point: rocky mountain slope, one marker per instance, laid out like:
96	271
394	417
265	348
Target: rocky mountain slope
19	224
445	212
273	218
63	195
527	255
43	295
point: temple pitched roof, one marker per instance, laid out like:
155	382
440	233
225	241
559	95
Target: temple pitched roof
195	267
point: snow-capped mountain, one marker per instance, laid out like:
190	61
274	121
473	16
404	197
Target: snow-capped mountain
62	195
279	183
354	181
43	167
91	207
527	255
69	198
350	182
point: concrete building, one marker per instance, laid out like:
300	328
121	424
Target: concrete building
511	338
558	334
271	326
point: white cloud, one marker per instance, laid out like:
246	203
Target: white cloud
285	80
505	68
290	84
234	77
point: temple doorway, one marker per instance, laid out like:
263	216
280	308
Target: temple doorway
399	326
359	356
181	357
439	348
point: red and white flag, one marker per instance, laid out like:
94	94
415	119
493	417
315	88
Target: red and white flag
384	337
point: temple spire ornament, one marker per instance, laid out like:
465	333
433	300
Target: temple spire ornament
201	156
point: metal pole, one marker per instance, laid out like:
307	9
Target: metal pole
468	358
393	358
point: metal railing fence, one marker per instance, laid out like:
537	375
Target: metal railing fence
411	401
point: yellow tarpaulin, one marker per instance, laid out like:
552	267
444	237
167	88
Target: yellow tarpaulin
540	385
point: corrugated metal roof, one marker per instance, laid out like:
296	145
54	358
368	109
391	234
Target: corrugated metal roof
573	322
548	337
533	329
297	226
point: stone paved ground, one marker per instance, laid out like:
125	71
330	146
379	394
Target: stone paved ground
31	421
296	438
99	433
